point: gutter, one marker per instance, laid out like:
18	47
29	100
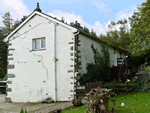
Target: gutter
74	61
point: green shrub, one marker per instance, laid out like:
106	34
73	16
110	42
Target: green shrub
22	111
143	81
112	86
100	70
5	77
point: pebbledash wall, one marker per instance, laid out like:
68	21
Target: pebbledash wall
31	73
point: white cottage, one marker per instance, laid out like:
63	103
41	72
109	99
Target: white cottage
42	59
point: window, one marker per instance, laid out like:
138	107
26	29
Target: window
39	43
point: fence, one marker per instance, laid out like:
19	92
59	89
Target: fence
82	90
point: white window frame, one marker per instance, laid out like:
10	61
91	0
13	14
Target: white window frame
40	43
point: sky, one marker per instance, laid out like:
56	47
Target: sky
94	14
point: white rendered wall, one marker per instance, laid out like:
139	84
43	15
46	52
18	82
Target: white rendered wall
87	55
63	50
34	78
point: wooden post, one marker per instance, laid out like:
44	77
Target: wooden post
127	85
86	88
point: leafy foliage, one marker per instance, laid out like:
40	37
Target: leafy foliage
8	23
143	81
85	29
5	77
22	111
99	70
17	22
92	33
76	25
116	37
3	59
9	26
140	32
62	19
112	86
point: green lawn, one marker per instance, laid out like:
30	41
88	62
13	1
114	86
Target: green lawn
135	103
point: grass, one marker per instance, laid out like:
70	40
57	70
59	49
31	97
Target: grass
135	103
80	109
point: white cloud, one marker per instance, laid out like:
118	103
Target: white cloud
16	8
125	13
101	6
72	17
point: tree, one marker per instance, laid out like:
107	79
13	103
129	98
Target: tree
8	23
76	25
62	19
86	30
24	18
100	70
118	37
93	33
3	59
17	22
2	36
140	32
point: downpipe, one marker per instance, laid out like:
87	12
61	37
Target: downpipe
54	59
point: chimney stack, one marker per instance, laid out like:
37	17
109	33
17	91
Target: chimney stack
38	8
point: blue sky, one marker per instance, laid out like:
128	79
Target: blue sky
95	14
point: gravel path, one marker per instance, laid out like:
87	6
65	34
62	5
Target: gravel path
6	107
39	108
52	107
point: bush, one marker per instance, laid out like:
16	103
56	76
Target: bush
143	81
97	100
5	78
100	70
112	86
22	111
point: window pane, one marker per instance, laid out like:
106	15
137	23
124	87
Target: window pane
43	43
37	44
